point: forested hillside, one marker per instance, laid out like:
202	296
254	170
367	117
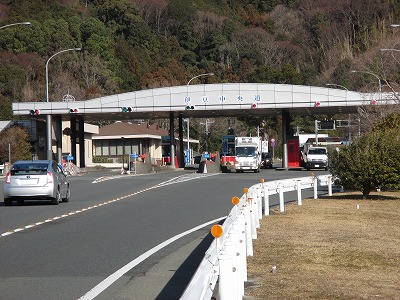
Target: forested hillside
129	45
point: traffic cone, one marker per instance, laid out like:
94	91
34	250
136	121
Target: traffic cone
122	170
205	167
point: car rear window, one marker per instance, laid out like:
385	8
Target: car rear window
29	169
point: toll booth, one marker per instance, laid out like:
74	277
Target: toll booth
166	151
228	149
294	154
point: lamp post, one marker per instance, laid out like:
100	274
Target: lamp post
373	74
20	23
48	116
187	119
337	85
123	152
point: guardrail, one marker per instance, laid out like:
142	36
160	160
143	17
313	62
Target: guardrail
225	260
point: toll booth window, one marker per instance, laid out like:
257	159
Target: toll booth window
166	151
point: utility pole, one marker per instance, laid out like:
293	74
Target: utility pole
207	123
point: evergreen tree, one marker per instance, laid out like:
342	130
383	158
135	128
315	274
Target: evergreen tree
17	138
371	162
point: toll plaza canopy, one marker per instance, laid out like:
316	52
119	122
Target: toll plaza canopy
209	100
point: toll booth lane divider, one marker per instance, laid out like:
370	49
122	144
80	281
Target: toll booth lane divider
225	260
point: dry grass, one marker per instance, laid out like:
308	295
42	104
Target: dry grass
329	249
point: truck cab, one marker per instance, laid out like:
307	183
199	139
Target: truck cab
247	154
317	158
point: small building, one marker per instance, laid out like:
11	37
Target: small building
122	138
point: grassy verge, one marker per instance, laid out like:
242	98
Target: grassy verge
339	247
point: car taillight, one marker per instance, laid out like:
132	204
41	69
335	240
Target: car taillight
49	177
8	178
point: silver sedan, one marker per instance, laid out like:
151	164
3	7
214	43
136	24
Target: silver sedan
36	180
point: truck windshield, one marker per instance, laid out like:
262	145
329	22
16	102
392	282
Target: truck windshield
316	151
246	151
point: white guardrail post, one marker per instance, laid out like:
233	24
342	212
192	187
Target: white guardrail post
315	185
225	290
259	204
281	199
266	199
226	259
239	225
253	217
249	241
298	187
231	250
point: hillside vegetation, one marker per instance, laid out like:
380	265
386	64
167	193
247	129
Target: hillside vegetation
129	45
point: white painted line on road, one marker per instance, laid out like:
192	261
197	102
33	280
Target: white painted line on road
121	272
174	180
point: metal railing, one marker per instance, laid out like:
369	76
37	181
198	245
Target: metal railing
225	260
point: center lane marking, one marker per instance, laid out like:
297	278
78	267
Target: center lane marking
174	180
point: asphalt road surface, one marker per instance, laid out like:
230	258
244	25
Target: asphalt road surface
120	236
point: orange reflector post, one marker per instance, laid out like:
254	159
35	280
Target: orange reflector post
245	190
262	180
217	231
235	200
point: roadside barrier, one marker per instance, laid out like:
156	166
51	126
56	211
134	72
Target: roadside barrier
225	260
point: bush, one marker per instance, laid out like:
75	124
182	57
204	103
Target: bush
371	162
101	159
122	159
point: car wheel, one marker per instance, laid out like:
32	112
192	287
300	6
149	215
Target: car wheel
56	200
67	195
7	202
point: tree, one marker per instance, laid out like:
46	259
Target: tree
17	137
371	162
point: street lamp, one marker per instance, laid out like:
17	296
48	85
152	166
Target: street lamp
48	116
373	74
21	23
206	74
337	85
187	120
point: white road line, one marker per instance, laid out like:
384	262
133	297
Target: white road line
119	273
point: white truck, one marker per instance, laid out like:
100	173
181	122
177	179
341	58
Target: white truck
316	158
247	154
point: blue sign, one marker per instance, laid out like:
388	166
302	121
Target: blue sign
206	155
188	156
70	157
134	155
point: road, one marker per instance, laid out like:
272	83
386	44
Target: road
114	222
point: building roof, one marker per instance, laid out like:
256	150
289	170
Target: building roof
124	129
328	140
